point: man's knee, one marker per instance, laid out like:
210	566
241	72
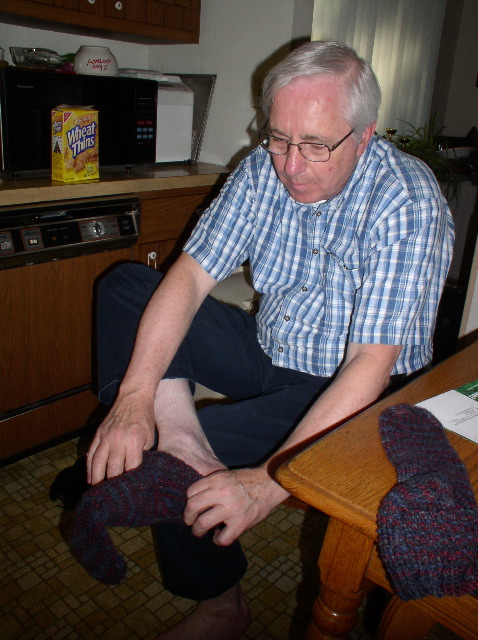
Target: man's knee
130	276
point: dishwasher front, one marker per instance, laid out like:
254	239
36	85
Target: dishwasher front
52	256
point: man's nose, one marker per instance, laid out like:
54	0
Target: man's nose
294	161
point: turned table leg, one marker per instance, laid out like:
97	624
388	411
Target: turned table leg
343	560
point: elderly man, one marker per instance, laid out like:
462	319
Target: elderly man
349	243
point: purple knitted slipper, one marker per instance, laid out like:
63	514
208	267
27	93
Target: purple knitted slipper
428	523
153	492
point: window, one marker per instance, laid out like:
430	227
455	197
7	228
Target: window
401	39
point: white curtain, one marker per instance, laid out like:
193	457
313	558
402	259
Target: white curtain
401	39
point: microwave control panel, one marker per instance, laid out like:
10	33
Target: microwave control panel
145	122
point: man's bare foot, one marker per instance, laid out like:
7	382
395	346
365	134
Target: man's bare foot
224	618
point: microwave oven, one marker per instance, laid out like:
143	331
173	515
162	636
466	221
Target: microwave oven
127	116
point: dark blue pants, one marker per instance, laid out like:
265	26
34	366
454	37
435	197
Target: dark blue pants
220	351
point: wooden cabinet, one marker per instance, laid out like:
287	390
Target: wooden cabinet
134	20
167	218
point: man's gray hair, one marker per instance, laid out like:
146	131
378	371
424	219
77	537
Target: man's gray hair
333	58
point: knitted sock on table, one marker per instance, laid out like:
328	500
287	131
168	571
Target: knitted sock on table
427	523
153	492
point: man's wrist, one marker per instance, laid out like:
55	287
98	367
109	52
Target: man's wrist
277	494
142	392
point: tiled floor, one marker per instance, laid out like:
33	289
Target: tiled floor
46	595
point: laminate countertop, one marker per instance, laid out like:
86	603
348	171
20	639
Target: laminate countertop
28	189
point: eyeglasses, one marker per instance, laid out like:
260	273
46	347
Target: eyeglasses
313	151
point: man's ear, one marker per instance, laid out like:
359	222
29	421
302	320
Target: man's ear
366	135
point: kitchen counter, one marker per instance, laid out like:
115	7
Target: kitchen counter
27	189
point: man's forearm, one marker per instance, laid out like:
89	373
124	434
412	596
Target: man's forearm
363	377
164	324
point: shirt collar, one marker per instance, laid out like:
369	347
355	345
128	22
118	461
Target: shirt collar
356	175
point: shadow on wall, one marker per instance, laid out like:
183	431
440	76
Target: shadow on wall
257	79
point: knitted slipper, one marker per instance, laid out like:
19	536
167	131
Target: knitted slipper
153	492
428	523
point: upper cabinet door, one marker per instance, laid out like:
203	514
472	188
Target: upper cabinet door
90	6
147	21
65	4
133	10
175	14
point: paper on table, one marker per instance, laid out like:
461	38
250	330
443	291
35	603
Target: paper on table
457	410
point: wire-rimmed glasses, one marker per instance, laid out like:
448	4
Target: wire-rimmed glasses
313	151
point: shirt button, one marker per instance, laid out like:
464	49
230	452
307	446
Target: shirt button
303	288
287	318
318	214
315	251
280	349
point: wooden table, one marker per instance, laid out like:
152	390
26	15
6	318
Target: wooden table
346	474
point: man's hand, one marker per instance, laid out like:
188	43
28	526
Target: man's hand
232	502
121	438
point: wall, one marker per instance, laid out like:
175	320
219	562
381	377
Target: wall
462	102
469	322
456	98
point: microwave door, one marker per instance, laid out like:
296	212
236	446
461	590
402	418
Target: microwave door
124	105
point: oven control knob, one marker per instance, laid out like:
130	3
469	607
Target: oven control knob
99	228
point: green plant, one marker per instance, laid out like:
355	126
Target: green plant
425	143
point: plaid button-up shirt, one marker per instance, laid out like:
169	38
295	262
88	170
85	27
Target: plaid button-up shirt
366	266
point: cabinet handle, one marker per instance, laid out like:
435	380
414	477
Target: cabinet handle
118	6
152	259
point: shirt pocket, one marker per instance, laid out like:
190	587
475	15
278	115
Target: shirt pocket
347	269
